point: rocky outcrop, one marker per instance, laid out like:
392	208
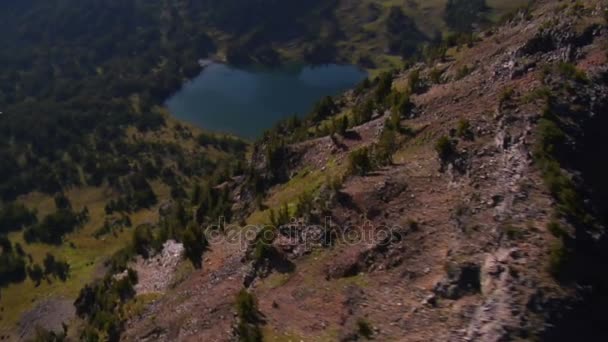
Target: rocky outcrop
560	38
155	274
461	280
501	316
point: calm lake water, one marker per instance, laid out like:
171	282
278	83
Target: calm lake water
247	101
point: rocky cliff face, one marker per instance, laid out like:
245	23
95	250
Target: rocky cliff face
502	241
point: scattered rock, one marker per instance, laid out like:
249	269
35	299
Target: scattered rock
155	274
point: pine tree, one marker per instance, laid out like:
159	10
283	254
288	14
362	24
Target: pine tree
343	126
36	274
195	243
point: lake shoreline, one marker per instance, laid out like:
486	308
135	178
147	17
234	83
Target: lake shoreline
245	101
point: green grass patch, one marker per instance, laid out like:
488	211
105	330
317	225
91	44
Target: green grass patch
138	305
84	253
271	335
558	258
275	280
306	181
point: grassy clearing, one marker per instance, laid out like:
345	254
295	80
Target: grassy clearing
275	280
365	34
138	305
81	250
272	334
306	180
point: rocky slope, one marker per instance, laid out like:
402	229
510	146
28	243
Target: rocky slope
463	249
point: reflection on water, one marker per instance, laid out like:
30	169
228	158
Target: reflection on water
246	101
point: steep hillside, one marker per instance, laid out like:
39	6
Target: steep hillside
174	159
455	202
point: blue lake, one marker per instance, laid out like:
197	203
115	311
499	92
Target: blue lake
247	101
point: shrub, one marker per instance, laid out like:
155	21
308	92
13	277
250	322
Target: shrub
463	72
59	269
342	125
570	71
249	332
413	81
178	192
361	87
216	203
459	38
12	266
35	273
263	248
556	229
365	112
394	122
435	75
195	243
246	306
323	109
89	334
62	201
14	216
359	162
433	52
143	240
364	328
558	258
119	260
550	141
385	85
19	249
444	148
402	104
386	146
513	232
551	137
281	217
276	153
247	312
53	227
539	93
577	7
334	183
463	130
506	94
413	225
102	303
305	204
111	225
222	142
43	335
137	193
